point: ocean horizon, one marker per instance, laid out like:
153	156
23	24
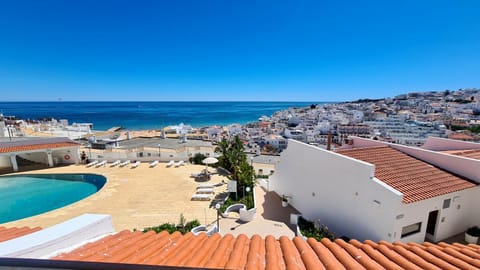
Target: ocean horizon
141	115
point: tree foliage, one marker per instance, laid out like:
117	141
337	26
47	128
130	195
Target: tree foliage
183	226
233	159
198	158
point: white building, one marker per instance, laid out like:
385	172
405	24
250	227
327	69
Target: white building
14	152
276	141
234	129
381	191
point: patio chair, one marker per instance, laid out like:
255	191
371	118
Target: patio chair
115	163
205	191
100	164
201	197
234	208
180	163
125	163
92	163
205	186
135	165
153	164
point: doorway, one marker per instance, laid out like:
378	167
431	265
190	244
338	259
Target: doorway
431	225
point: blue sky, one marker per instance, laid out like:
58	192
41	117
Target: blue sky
235	50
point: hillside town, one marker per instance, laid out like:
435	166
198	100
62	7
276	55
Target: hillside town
384	176
407	119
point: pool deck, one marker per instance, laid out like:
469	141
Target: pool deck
145	197
135	198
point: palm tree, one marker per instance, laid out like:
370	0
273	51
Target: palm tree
223	150
233	158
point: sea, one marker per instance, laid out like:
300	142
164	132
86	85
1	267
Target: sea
147	115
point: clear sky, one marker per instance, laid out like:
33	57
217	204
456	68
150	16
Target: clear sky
166	50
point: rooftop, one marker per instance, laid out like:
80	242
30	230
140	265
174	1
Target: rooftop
14	232
33	143
256	252
474	153
164	143
416	179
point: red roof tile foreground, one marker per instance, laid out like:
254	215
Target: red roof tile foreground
20	148
256	253
10	233
416	179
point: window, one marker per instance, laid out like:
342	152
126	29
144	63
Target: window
411	229
446	203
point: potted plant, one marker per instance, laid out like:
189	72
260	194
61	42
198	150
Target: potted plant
284	201
472	234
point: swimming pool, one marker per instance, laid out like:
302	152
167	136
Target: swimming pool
23	196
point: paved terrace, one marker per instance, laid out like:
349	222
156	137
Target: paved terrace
145	197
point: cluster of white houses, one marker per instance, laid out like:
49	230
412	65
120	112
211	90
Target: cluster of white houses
381	191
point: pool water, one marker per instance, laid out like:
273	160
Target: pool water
23	196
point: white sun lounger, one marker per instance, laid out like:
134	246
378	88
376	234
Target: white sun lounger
170	163
180	163
115	163
136	164
153	164
201	197
205	186
102	163
205	191
125	163
92	163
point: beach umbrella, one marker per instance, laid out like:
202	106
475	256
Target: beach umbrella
209	160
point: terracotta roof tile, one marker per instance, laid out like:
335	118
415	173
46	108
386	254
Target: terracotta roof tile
416	179
20	148
11	233
473	153
228	252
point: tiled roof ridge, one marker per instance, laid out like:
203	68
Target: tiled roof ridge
8	149
362	148
36	141
242	252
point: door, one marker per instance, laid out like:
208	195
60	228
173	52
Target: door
432	223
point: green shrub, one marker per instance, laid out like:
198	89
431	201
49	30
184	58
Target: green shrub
247	201
308	230
182	227
198	158
170	227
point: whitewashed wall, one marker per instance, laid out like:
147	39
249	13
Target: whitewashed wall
5	161
462	214
441	144
149	154
340	191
